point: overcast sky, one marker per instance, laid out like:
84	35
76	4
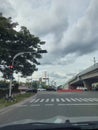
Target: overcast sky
69	27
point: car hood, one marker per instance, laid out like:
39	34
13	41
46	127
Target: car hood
57	119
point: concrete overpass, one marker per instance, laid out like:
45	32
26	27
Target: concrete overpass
85	78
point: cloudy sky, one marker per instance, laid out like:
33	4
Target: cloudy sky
69	27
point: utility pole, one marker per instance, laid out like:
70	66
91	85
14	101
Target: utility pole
45	76
94	60
48	80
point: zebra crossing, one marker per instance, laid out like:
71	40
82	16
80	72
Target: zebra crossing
64	100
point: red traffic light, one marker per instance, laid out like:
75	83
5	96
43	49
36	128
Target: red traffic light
11	67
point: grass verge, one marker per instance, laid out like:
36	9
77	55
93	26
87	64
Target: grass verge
20	97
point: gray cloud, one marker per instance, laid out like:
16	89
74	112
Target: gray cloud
55	61
47	17
84	35
81	48
7	9
81	38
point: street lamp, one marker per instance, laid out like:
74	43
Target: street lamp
18	54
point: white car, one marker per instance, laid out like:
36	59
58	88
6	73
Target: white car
41	89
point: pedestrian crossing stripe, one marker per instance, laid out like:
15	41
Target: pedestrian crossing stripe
37	100
91	100
73	99
42	100
83	99
47	100
63	100
78	99
32	100
57	99
52	100
96	99
68	99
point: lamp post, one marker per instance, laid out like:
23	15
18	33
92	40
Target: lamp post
18	54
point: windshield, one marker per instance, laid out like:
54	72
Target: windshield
48	61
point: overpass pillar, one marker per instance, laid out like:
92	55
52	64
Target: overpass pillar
87	84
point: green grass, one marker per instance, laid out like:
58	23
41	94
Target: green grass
20	97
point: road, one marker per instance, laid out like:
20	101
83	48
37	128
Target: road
49	104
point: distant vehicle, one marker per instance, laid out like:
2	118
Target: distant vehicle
51	89
95	89
59	88
85	89
41	89
31	90
82	88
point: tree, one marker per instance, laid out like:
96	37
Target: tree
13	42
35	84
15	87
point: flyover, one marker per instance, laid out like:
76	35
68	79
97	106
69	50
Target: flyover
85	78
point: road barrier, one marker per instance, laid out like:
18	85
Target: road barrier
70	90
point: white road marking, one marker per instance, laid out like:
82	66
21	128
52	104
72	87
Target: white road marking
95	99
37	100
68	100
52	100
57	99
79	100
42	100
86	99
32	100
90	99
73	99
83	99
62	99
47	100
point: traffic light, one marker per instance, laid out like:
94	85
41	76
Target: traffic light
11	71
11	66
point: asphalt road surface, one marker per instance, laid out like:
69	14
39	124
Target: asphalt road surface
45	105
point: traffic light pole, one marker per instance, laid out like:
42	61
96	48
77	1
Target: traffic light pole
10	88
18	54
